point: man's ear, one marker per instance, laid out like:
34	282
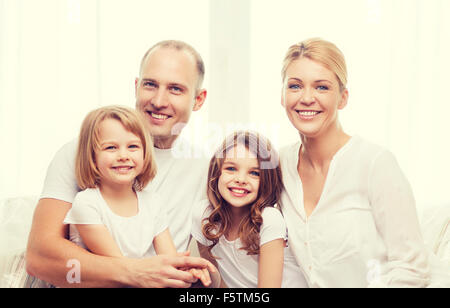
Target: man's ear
136	84
199	99
344	100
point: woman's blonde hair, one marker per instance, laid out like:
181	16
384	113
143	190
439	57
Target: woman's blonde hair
219	221
321	51
86	171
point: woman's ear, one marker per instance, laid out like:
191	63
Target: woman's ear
344	99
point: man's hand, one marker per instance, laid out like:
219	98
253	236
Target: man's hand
165	271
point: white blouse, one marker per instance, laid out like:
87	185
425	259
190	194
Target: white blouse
364	230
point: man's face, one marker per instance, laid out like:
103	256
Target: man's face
167	93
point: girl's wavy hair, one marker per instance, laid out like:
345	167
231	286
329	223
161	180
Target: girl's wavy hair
219	221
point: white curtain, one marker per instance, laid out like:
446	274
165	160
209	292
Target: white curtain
61	58
397	53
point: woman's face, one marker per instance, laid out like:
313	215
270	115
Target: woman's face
312	97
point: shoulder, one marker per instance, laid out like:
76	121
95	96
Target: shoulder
272	217
273	226
289	150
202	210
89	194
68	150
366	149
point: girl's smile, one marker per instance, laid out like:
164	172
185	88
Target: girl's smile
239	180
120	158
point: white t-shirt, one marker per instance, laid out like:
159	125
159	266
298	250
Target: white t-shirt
364	231
180	181
133	235
239	270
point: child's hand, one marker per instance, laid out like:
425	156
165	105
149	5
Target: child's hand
202	275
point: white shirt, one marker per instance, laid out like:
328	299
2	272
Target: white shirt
239	270
180	181
133	235
364	230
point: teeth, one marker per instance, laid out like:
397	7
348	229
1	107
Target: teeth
159	116
122	168
308	113
238	191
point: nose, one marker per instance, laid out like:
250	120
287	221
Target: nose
241	178
122	155
308	97
160	101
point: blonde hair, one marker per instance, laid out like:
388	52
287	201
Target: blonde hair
321	51
86	171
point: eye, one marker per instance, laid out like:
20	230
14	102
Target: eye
294	86
255	173
110	147
322	88
176	89
230	168
134	146
149	84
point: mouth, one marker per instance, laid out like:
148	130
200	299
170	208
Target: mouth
238	192
160	117
308	114
122	169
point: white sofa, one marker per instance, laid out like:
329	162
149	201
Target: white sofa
16	216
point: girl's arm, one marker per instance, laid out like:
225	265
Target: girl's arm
164	245
99	240
271	261
216	280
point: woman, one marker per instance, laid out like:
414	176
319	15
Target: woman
349	209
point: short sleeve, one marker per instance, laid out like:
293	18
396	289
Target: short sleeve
199	213
84	211
273	226
60	181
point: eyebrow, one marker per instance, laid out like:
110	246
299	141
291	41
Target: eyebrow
170	84
115	142
234	164
316	81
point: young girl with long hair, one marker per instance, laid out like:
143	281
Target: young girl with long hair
113	215
239	228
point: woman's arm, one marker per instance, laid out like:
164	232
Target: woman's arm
271	261
396	219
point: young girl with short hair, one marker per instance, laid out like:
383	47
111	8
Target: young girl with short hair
113	215
239	228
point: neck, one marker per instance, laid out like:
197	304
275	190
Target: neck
116	191
319	151
164	143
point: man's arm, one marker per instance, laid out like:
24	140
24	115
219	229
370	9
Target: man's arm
49	252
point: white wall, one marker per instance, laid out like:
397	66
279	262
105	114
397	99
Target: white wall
61	58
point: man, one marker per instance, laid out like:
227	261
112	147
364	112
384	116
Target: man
168	89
